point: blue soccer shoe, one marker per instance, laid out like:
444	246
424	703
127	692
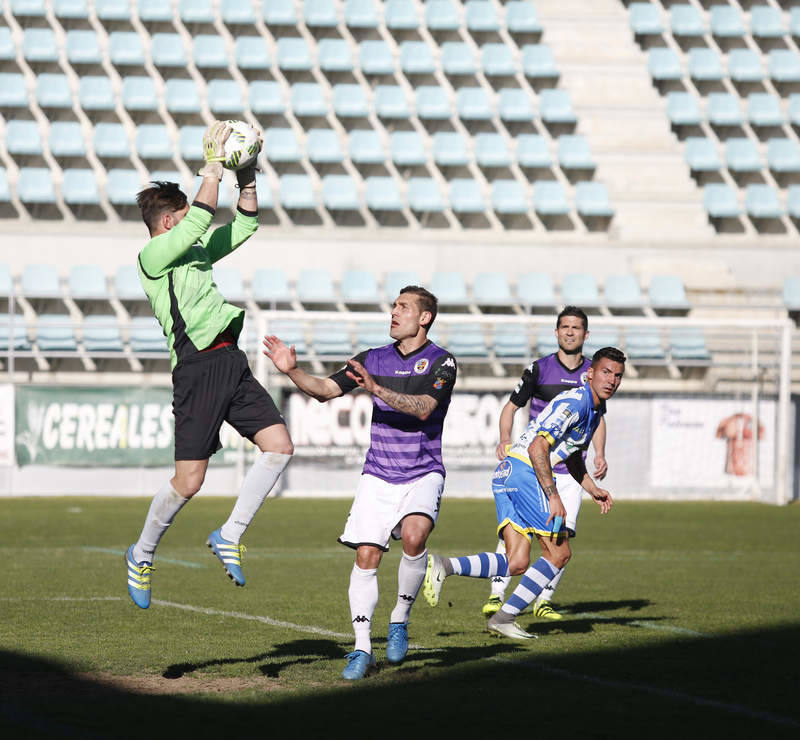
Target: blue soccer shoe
397	642
229	554
358	663
138	579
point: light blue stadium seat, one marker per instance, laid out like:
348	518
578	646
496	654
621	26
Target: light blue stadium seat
663	64
514	104
791	293
238	12
546	342
280	13
359	286
481	16
53	91
139	94
13	332
416	58
521	17
281	145
549	198
290	333
7	50
39	45
324	146
28	8
666	292
154	11
645	19
127	286
574	153
580	289
784	65
793	201
761	201
366	147
328	339
466	196
315	286
685	20
55	333
209	52
110	140
508	197
181	96
497	60
122	186
83	47
473	104
112	10
764	109
591	199
340	193
153	142
270	285
741	155
196	11
644	344
395	280
726	22
433	103
335	55
533	151
101	333
510	341
467	340
390	102
449	287
744	65
5	190
766	22
491	289
535	290
361	14
538	62
71	9
146	336
349	101
598	338
425	195
87	282
450	149
783	155
720	201
724	110
23	137
297	192
688	344
441	15
66	139
125	48
224	97
372	334
13	93
375	58
794	22
79	187
702	155
491	150
622	292
167	50
266	98
705	65
555	106
230	283
308	99
382	194
457	58
40	281
96	93
294	54
320	13
793	109
252	53
407	148
400	15
682	109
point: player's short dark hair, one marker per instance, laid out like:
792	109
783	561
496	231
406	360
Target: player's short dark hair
160	197
573	311
427	301
611	353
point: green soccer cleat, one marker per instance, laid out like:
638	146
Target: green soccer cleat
492	606
434	580
543	610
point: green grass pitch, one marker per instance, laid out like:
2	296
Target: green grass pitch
681	620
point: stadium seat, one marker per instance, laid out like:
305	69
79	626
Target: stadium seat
83	47
791	293
281	145
39	45
702	155
139	94
533	151
666	292
450	149
238	12
319	13
705	65
35	185
266	98
349	101
555	106
96	93
546	342
209	52
153	142
521	17
622	292
793	201
515	104
182	96
290	333
663	64
330	339
535	290
53	91
28	8
335	55
598	338
442	15
71	9
7	50
5	191
685	21
297	192
574	154
784	65
359	286
783	155
87	282
122	186
400	15
154	11
580	289
13	93
251	53
765	22
66	139
491	289
125	48
40	281
764	109
644	344
416	58
79	187
308	99
361	14
101	333
509	198
167	50
433	103
395	280
682	109
688	344
538	62
473	104
481	16
230	283
23	137
466	196
293	53
491	150
726	22
591	200
280	13
371	334
324	146
449	287
112	10
724	110
270	286
457	58
225	97
390	102
13	333
741	155
720	201
744	65
467	340
55	333
146	335
375	58
497	60
407	148
382	194
549	198
425	195
340	193
510	341
190	140
366	147
761	201
315	286
645	19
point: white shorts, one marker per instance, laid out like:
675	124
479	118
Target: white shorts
379	508
570	492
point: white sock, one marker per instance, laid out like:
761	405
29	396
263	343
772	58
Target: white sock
363	595
163	508
410	575
500	583
256	486
550	588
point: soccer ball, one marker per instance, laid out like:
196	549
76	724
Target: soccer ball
242	146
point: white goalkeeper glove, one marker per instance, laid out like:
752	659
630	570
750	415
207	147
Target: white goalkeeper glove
214	149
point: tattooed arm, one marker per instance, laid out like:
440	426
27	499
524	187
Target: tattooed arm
421	406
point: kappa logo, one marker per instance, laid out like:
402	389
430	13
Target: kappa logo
407	597
449	362
421	366
361	618
503	470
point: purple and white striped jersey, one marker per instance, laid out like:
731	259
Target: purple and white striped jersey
402	447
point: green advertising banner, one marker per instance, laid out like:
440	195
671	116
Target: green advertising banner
93	427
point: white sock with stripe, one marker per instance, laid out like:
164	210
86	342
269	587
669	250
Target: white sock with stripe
533	582
550	588
163	508
410	574
500	583
482	565
363	595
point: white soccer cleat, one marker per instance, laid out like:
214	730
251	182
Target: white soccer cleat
509	629
434	580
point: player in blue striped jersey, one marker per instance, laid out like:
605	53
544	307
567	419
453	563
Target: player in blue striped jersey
527	498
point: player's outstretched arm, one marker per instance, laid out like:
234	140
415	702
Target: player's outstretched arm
421	406
506	423
599	444
246	181
285	360
577	469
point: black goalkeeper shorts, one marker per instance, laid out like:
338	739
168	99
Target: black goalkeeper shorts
215	386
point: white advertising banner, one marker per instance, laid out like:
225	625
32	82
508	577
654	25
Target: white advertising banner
6	425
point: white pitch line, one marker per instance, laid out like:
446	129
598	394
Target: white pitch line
638	623
665	693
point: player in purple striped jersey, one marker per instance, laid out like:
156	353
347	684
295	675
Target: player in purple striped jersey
411	382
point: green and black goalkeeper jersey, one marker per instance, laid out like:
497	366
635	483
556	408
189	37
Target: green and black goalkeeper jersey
175	270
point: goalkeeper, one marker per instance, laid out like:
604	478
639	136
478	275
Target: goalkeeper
211	379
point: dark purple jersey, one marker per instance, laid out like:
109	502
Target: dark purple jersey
402	447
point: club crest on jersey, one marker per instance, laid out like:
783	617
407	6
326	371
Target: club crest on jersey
503	470
583	378
421	366
439	383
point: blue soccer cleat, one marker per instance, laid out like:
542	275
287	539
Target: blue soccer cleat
358	663
397	642
229	554
138	579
